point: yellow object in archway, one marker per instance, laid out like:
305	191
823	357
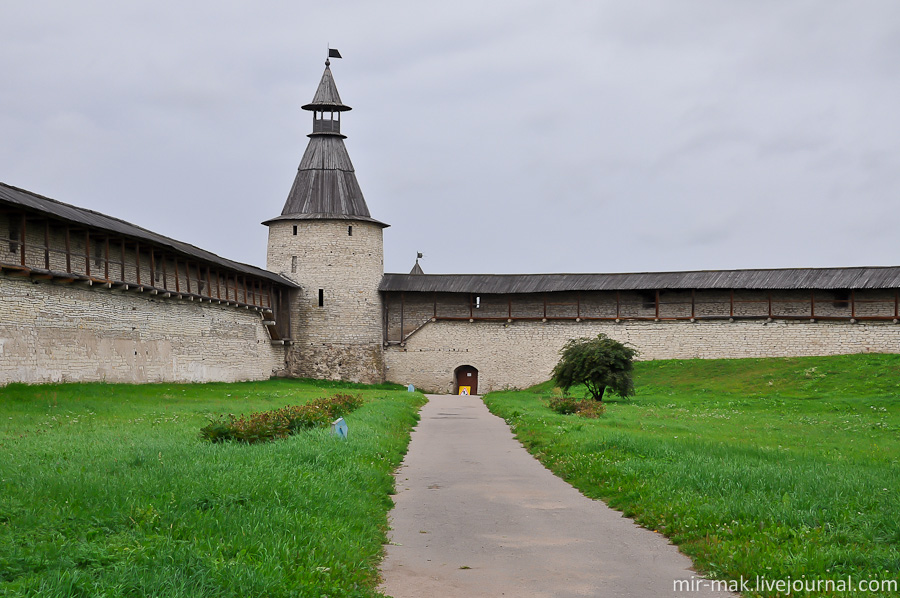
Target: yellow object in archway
465	390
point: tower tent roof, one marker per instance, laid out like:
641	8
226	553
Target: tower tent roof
325	187
327	96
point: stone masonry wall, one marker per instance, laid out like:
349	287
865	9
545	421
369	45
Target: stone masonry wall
52	332
342	338
520	354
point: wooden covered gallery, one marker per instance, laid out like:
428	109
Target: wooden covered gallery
44	239
851	295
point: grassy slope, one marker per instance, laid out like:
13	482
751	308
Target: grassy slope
772	467
106	490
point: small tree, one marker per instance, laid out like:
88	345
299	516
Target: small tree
598	363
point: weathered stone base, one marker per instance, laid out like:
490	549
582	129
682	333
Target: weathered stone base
333	361
520	354
51	332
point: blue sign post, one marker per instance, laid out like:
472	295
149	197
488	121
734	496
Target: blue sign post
339	428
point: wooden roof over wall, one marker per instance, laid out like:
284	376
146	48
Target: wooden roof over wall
778	279
95	221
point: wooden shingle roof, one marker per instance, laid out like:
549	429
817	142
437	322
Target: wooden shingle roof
327	96
96	221
325	187
886	277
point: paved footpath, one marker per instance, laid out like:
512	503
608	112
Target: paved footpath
476	515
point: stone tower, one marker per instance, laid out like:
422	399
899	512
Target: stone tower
326	241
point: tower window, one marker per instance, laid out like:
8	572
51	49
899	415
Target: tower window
321	297
293	263
350	231
295	230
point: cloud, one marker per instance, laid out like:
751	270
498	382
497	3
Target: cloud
502	136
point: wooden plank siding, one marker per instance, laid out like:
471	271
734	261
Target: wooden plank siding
42	238
407	311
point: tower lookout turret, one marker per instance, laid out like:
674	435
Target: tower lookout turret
326	241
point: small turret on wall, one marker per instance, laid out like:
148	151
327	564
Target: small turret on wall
326	241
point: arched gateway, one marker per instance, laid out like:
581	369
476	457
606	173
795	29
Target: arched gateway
466	376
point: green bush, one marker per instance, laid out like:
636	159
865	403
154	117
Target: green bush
571	405
563	405
597	363
263	426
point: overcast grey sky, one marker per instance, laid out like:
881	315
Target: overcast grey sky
508	137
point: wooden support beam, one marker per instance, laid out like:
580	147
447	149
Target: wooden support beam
385	317
208	283
47	244
693	303
68	252
286	309
403	305
218	285
177	286
106	258
618	304
164	279
853	303
812	304
22	232
87	252
152	266
731	305
137	260
122	264
656	299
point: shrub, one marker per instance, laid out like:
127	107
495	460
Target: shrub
564	405
263	426
582	407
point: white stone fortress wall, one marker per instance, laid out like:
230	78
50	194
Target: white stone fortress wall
56	332
519	354
341	339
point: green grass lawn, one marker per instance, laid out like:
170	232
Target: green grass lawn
779	468
107	490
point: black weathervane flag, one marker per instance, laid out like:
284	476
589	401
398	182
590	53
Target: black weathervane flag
332	53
